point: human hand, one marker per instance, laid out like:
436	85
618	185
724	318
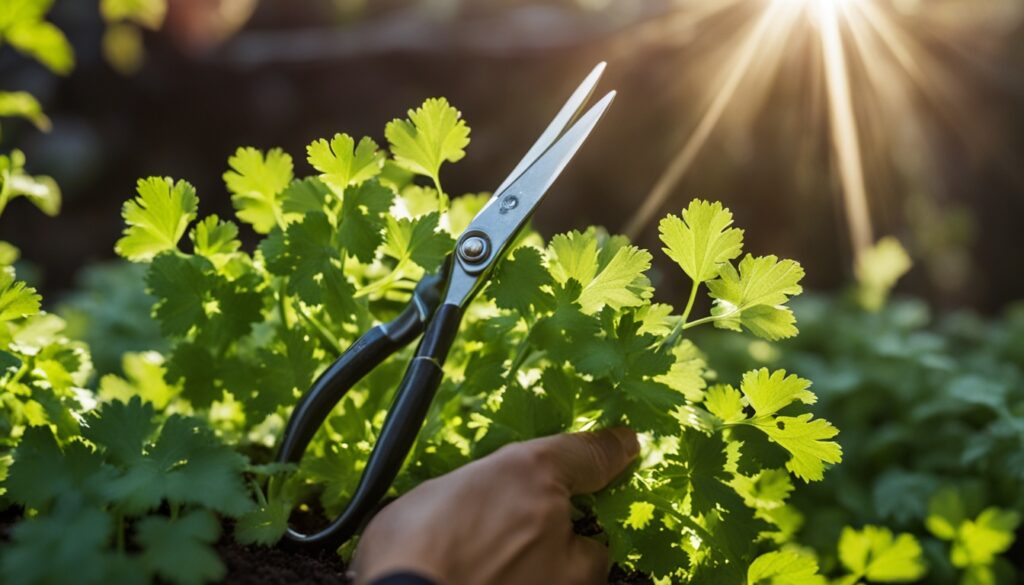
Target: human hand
503	519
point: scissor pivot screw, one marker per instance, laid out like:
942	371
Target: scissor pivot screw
474	249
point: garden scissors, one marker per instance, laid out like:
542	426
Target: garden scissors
435	310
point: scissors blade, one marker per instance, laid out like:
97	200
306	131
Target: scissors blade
561	120
509	210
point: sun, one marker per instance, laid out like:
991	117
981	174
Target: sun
874	69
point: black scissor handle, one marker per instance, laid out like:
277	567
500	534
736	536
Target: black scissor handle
406	415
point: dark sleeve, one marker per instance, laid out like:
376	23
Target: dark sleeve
403	579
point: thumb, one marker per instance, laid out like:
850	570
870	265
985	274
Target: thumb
586	462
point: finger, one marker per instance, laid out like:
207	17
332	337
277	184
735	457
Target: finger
589	560
586	462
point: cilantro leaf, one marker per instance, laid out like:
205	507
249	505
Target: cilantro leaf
876	554
361	226
784	567
70	540
16	299
701	242
768	392
215	239
42	471
180	551
610	276
148	13
157	218
41	190
418	240
255	182
23	27
342	163
432	134
574	255
806	441
520	282
753	297
877	270
265	525
121	429
304	196
725	402
144	377
23	104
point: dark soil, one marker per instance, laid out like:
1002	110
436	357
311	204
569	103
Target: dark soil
254	565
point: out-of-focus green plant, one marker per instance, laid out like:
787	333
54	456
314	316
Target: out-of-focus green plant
109	309
932	412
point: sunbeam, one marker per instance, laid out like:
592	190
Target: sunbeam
874	66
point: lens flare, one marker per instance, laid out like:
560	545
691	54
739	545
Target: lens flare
878	61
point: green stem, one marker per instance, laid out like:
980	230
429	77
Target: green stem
709	319
321	330
281	307
396	274
689	303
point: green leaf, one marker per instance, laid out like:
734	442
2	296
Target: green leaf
418	240
981	540
616	283
725	402
945	513
180	551
16	299
341	163
877	270
256	182
121	429
753	297
432	134
785	567
876	554
361	226
806	441
156	219
42	471
265	525
42	41
193	297
521	283
574	255
769	392
701	241
144	377
148	13
69	542
41	190
215	239
304	196
24	105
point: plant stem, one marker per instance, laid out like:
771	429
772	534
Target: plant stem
281	303
689	303
321	330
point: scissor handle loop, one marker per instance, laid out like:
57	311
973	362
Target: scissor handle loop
404	419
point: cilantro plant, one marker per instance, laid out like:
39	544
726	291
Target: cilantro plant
98	499
565	337
931	419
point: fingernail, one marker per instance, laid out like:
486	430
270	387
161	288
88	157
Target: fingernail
628	439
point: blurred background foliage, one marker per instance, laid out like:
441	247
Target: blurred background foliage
173	87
